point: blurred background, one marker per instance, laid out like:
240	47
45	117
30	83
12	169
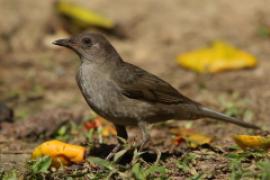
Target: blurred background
36	76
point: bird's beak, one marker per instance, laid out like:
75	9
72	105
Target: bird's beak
62	42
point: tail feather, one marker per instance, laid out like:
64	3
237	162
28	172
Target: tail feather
205	112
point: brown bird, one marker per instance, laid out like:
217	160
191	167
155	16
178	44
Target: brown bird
127	95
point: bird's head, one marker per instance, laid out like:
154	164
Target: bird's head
91	47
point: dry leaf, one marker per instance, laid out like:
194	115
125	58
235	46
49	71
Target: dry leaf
82	16
93	124
108	131
252	142
107	128
219	57
194	139
60	152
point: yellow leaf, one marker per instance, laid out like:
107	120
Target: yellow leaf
252	142
198	139
60	152
108	130
219	57
82	16
194	139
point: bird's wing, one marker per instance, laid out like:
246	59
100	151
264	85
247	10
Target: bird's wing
136	83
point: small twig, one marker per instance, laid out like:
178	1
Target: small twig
17	152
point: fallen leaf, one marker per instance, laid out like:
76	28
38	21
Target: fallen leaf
178	140
60	152
108	131
81	16
219	57
188	135
252	142
93	124
106	128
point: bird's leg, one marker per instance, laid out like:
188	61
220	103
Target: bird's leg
122	133
146	138
145	135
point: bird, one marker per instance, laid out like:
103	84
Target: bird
128	95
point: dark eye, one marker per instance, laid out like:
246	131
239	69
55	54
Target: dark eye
87	41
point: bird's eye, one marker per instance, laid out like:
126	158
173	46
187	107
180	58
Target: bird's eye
87	41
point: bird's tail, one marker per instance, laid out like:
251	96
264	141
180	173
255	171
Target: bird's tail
205	112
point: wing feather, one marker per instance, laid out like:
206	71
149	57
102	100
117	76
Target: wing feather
139	84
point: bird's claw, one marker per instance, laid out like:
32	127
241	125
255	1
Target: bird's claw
112	153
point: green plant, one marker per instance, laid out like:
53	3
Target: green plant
185	163
9	175
141	173
264	167
39	168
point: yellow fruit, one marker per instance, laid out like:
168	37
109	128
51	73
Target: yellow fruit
60	152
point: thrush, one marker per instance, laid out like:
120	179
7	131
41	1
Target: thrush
126	94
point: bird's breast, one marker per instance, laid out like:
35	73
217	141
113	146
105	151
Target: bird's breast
100	92
94	85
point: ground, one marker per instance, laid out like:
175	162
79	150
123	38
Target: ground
37	77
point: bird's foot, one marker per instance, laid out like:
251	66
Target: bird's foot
143	151
121	143
113	152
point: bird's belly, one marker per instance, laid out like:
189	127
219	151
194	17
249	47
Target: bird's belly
130	112
115	108
120	109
